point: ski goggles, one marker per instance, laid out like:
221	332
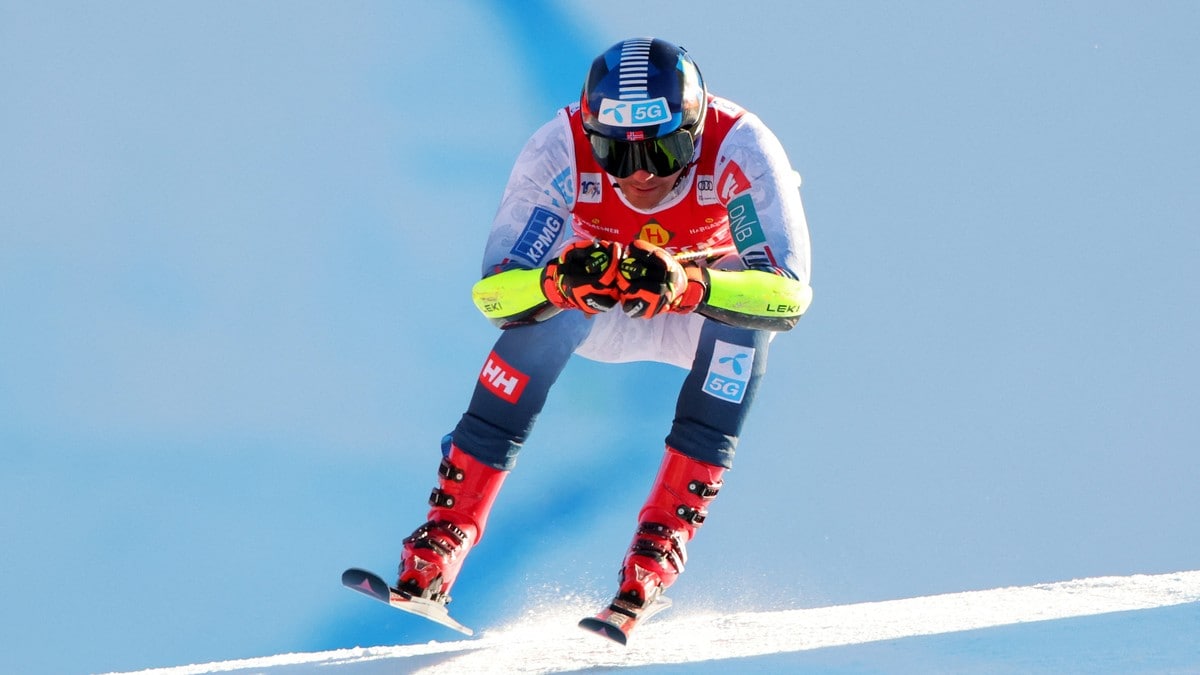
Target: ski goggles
661	156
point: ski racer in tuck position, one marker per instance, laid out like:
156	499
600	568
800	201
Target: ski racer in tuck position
649	221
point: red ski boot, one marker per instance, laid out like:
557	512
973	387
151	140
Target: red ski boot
671	516
434	553
673	512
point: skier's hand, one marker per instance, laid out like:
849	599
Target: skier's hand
696	291
583	277
650	280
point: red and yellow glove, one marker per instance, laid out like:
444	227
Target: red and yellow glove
650	280
584	277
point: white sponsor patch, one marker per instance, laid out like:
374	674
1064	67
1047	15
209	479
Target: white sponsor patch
633	113
729	371
590	188
706	191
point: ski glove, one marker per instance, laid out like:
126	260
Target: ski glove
583	277
650	280
695	292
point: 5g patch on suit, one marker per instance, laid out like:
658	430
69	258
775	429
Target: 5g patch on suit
729	371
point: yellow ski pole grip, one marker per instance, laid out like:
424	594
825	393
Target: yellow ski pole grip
508	294
755	299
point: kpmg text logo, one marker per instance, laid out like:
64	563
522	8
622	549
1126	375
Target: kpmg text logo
634	113
540	233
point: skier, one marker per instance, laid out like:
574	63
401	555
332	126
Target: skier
649	221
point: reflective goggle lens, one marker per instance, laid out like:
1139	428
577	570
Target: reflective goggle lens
660	156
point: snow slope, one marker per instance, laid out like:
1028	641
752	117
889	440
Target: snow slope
1031	617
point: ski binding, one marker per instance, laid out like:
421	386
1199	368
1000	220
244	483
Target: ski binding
617	621
373	586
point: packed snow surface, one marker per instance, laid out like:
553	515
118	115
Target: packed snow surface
547	641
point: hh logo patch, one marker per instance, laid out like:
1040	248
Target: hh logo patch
729	371
502	379
540	233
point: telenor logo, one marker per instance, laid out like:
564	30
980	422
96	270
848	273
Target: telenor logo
633	113
729	371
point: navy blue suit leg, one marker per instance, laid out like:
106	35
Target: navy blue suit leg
718	392
513	384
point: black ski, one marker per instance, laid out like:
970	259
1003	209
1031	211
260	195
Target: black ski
617	621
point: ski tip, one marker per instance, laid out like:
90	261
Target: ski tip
604	628
367	583
357	573
374	586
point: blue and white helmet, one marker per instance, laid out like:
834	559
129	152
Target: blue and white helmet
643	106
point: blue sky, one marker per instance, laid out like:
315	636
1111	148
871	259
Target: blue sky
236	245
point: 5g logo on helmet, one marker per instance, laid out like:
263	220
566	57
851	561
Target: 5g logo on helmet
633	113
